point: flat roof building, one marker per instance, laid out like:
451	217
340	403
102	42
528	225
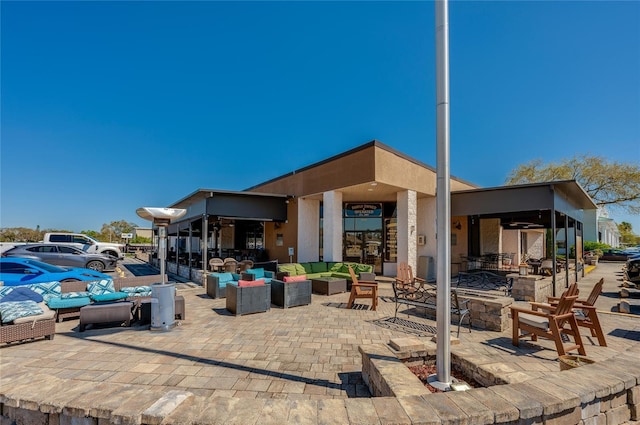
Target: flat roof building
375	205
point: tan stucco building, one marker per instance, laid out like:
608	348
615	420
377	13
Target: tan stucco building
375	205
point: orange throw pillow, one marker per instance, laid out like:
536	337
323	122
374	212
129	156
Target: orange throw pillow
246	283
300	278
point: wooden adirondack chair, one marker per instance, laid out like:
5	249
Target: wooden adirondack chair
362	290
405	275
550	324
584	310
405	281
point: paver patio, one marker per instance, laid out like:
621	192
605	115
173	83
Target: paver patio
302	353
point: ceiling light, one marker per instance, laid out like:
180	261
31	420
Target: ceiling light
374	184
370	190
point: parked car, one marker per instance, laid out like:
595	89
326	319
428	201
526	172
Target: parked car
23	271
612	254
62	255
85	243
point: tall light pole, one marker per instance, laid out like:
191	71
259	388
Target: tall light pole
443	202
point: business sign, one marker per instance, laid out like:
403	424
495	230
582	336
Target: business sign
126	235
363	210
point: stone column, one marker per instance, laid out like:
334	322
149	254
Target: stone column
332	222
308	230
407	208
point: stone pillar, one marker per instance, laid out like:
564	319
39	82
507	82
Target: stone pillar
407	208
309	233
332	222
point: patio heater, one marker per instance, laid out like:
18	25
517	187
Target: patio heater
163	293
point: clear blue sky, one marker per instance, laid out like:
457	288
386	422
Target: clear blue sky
111	106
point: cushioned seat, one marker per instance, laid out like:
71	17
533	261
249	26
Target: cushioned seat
108	297
217	283
318	269
46	314
60	303
67	307
537	321
259	273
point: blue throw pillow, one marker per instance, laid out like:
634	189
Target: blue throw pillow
21	293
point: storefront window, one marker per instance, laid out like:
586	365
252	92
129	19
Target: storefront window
391	240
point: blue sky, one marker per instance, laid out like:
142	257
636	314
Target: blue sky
111	106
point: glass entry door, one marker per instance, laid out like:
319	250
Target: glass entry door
364	247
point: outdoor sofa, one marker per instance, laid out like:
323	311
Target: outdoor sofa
316	269
24	315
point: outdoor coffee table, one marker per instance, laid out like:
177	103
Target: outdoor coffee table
329	285
106	313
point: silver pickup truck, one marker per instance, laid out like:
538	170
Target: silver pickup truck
85	243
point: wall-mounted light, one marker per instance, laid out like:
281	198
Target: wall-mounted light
457	225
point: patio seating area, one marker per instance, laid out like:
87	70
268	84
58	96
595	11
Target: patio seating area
293	365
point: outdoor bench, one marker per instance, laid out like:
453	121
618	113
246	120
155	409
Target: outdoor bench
424	295
484	281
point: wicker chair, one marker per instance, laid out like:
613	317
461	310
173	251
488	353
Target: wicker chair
28	328
216	264
248	299
230	265
244	265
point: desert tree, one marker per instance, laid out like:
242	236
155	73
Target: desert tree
611	184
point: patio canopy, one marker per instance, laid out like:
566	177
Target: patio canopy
523	202
228	205
559	205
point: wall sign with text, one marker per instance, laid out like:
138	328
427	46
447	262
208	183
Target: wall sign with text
363	209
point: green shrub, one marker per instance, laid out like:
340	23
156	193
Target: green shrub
595	247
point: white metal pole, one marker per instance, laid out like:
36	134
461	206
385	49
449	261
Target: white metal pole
162	238
443	319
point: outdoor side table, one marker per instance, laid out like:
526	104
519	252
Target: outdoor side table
328	285
106	313
145	309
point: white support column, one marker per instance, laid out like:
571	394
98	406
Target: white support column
332	221
309	234
407	209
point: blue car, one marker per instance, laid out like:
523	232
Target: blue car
24	271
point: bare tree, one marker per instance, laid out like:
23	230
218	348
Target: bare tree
614	185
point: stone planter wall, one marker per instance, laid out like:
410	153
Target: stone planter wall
487	312
602	393
532	288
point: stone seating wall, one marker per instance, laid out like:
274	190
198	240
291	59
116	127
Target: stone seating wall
487	311
601	393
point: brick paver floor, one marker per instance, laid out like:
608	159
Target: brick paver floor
308	352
